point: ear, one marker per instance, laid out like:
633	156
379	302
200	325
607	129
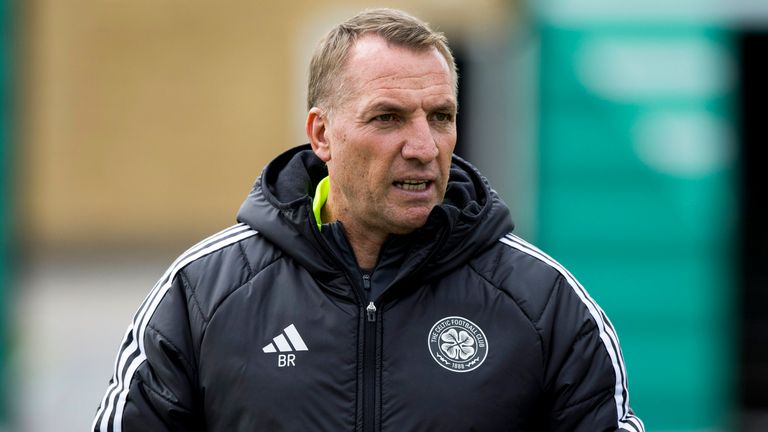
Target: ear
317	130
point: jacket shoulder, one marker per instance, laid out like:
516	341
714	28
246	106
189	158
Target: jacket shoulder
569	321
222	263
522	272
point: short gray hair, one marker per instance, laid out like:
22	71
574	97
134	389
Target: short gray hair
394	26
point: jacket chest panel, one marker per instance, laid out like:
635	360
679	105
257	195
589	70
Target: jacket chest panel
442	360
280	361
453	361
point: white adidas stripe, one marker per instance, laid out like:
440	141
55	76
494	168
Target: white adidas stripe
114	399
636	423
280	343
117	399
126	351
607	333
295	338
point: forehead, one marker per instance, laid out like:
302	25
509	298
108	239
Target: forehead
374	65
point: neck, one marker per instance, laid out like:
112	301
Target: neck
365	245
366	242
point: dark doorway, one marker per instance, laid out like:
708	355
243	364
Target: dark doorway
462	127
753	96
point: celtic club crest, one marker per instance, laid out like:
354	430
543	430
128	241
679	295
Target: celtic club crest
457	344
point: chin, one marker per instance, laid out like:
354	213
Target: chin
409	223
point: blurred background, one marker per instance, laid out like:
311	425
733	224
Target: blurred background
627	137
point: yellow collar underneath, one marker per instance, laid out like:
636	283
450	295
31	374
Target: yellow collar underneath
321	195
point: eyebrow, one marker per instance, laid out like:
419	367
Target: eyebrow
387	106
446	106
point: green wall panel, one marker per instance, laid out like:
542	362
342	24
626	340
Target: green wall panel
636	182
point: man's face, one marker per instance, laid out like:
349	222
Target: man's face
390	140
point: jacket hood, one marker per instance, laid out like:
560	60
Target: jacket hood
471	218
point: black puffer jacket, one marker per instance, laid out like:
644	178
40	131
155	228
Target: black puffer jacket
268	326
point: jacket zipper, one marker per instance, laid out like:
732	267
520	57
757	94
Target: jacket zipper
369	369
369	342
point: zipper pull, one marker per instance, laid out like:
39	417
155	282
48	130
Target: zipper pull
367	281
371	309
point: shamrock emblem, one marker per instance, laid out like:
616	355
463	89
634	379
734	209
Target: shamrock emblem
457	344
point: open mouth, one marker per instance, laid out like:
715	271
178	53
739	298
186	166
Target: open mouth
412	185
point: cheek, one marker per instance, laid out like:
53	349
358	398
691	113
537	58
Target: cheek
445	159
360	161
447	141
446	151
355	169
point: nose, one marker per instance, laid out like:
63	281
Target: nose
419	143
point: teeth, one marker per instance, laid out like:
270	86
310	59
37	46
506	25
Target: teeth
413	185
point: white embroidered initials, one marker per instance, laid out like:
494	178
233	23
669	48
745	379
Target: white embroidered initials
286	342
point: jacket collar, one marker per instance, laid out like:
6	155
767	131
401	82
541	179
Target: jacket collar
471	218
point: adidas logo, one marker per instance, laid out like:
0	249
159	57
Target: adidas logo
288	341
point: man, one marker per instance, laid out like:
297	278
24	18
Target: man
372	283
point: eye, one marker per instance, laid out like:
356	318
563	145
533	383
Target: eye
385	118
442	117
